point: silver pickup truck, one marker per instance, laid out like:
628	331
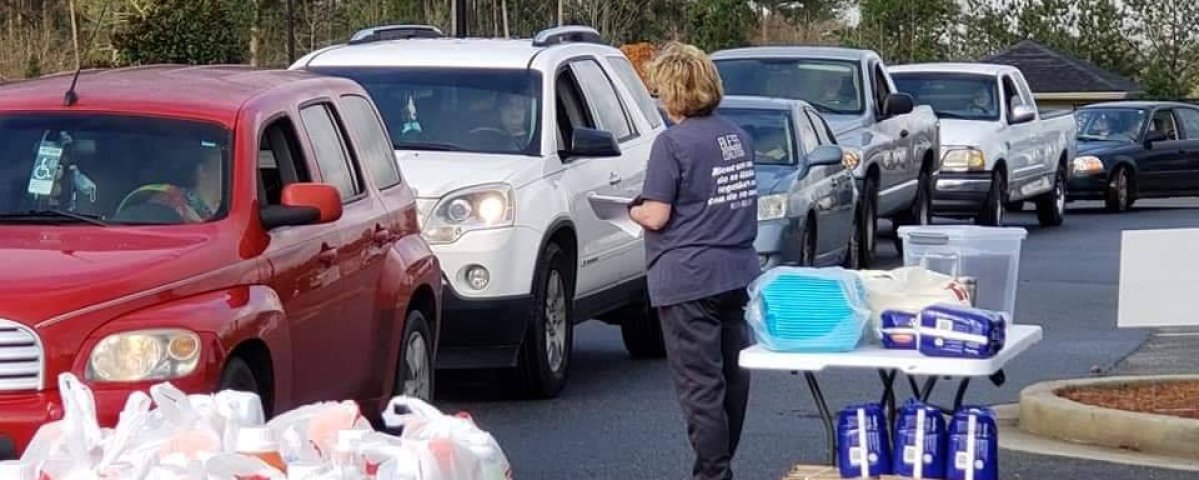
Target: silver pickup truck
896	144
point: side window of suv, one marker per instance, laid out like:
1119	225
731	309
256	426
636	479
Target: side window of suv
280	161
373	145
605	103
570	109
330	149
628	75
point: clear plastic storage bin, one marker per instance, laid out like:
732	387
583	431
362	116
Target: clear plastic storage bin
990	255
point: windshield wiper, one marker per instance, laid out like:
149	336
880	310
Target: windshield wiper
1098	138
438	147
55	213
951	115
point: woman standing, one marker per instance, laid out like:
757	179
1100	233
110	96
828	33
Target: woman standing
699	208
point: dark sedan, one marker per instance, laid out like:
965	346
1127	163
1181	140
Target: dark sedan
1131	150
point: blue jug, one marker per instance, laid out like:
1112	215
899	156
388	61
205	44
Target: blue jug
919	441
862	446
973	445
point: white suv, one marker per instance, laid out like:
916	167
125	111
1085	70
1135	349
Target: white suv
505	141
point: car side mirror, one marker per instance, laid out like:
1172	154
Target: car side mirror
826	155
1023	113
1155	136
303	204
898	104
589	142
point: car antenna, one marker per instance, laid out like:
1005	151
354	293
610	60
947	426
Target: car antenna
71	97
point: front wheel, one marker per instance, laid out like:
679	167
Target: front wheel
852	259
414	374
992	211
545	353
1119	191
641	330
868	218
1051	207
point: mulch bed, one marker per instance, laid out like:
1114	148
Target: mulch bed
1179	399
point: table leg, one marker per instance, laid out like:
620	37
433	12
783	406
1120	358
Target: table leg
825	415
912	383
927	391
888	378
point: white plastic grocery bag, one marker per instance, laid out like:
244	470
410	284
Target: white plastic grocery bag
908	289
68	449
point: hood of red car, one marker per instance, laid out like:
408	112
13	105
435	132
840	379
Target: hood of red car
49	271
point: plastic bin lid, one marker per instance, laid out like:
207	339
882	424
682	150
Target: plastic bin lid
962	232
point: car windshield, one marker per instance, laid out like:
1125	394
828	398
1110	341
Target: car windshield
455	109
952	95
111	169
1110	124
771	131
831	86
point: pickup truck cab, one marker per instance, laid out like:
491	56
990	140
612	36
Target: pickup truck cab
997	150
214	227
894	145
506	141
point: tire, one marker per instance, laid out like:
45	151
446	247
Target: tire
852	259
545	353
1051	207
1119	191
414	367
238	376
807	244
641	330
1014	207
991	214
868	216
921	211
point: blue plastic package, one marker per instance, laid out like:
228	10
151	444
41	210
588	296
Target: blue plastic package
862	435
899	330
958	331
808	309
920	442
973	445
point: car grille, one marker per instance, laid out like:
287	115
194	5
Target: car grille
20	358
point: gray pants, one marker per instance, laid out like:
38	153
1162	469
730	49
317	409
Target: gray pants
703	338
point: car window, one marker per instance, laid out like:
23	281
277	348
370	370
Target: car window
822	131
1110	124
280	161
330	150
770	129
117	168
374	149
807	135
1011	96
881	89
1163	121
628	75
1190	122
569	108
478	110
598	90
952	95
831	86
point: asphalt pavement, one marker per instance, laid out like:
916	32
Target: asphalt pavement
618	418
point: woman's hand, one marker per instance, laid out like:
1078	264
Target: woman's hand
651	214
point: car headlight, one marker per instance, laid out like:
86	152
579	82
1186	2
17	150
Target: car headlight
477	208
963	160
1087	164
144	355
772	207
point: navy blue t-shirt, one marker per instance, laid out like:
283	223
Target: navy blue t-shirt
704	168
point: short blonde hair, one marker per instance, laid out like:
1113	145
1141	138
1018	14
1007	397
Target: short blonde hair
686	80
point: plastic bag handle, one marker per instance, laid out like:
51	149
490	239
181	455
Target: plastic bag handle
928	238
957	261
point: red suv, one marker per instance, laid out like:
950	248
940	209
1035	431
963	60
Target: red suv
215	227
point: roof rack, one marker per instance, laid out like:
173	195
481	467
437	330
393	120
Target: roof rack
394	32
567	34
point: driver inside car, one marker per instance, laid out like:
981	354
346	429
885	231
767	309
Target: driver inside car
195	202
514	118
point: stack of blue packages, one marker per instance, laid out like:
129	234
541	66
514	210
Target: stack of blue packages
973	445
964	332
808	309
920	442
899	330
862	446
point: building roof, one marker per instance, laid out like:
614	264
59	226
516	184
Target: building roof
1048	70
213	92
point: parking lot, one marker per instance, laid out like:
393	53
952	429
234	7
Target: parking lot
618	417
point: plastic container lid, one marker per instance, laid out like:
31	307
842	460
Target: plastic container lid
256	440
946	233
17	470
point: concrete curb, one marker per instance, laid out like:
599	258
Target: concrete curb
1044	413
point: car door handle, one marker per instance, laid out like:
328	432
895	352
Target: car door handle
903	134
614	178
328	255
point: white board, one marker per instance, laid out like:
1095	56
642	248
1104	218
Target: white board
1159	278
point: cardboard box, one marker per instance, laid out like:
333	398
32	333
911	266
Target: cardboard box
824	472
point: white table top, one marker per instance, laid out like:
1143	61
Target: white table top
911	362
